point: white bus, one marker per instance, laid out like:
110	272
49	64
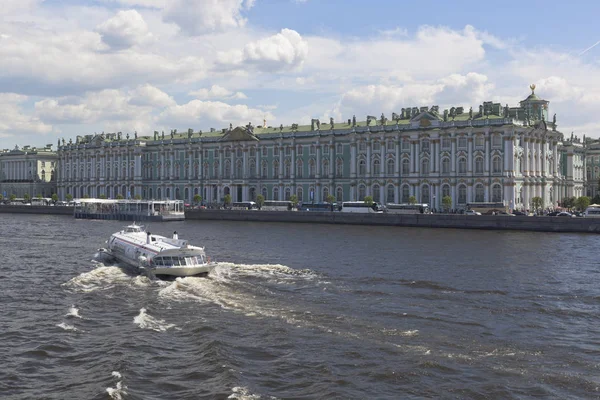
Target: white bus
244	205
274	205
41	201
361	207
593	211
407	208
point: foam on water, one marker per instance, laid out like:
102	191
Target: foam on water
118	391
105	278
242	393
67	327
73	312
146	321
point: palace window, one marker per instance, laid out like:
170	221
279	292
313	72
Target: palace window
425	166
264	152
252	168
275	169
362	146
462	142
479	165
339	194
445	191
425	194
497	193
496	165
405	166
376	167
326	149
462	165
228	152
288	151
325	171
362	192
287	169
312	168
462	194
446	144
497	141
288	194
227	172
376	193
264	193
325	193
362	168
390	194
339	148
479	194
239	169
445	166
264	170
276	150
405	144
390	167
405	194
312	150
299	168
253	151
376	146
300	194
299	150
276	193
239	152
390	146
215	169
479	141
425	145
339	168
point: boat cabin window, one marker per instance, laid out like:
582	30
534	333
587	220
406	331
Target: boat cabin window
132	228
178	261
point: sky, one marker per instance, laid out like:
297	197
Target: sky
71	68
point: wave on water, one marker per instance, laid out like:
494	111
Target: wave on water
266	271
104	278
118	391
146	321
67	327
242	393
73	312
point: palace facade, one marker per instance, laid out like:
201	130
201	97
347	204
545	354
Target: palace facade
28	171
495	153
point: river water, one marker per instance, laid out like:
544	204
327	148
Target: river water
300	311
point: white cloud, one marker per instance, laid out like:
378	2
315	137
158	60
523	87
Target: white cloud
199	17
217	92
142	3
124	30
12	7
14	120
215	113
285	50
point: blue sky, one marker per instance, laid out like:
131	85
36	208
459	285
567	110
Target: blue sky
71	68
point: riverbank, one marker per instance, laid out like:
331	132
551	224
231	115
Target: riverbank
456	221
488	222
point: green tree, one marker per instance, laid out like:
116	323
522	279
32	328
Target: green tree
86	196
102	196
537	203
54	198
227	199
446	203
26	197
39	196
197	199
582	203
569	202
1	197
137	197
368	201
412	200
12	197
260	201
330	198
69	197
119	197
294	200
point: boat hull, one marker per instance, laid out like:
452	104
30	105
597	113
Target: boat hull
167	271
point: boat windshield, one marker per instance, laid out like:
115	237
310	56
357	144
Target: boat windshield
178	261
134	228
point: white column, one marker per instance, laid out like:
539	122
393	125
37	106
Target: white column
453	166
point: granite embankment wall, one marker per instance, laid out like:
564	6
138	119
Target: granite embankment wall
540	224
23	209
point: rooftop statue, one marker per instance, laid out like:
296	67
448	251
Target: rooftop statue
230	126
331	122
506	111
354	120
554	119
127	136
471	113
135	134
163	135
281	127
383	119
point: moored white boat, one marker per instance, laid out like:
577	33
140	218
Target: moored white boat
157	254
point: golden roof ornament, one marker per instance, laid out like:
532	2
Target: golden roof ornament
532	87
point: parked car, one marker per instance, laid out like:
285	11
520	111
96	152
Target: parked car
565	214
472	212
553	213
518	213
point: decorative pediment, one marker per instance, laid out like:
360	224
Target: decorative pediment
238	134
425	115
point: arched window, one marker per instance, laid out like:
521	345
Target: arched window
215	169
376	193
445	191
390	194
497	193
186	194
287	169
275	170
325	168
339	194
425	166
276	193
362	168
264	170
227	172
405	166
425	194
168	193
390	167
479	194
405	194
339	168
445	166
496	165
325	193
239	169
158	193
288	194
312	168
362	192
479	165
300	194
205	171
462	194
252	169
462	165
299	168
264	193
376	167
252	194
